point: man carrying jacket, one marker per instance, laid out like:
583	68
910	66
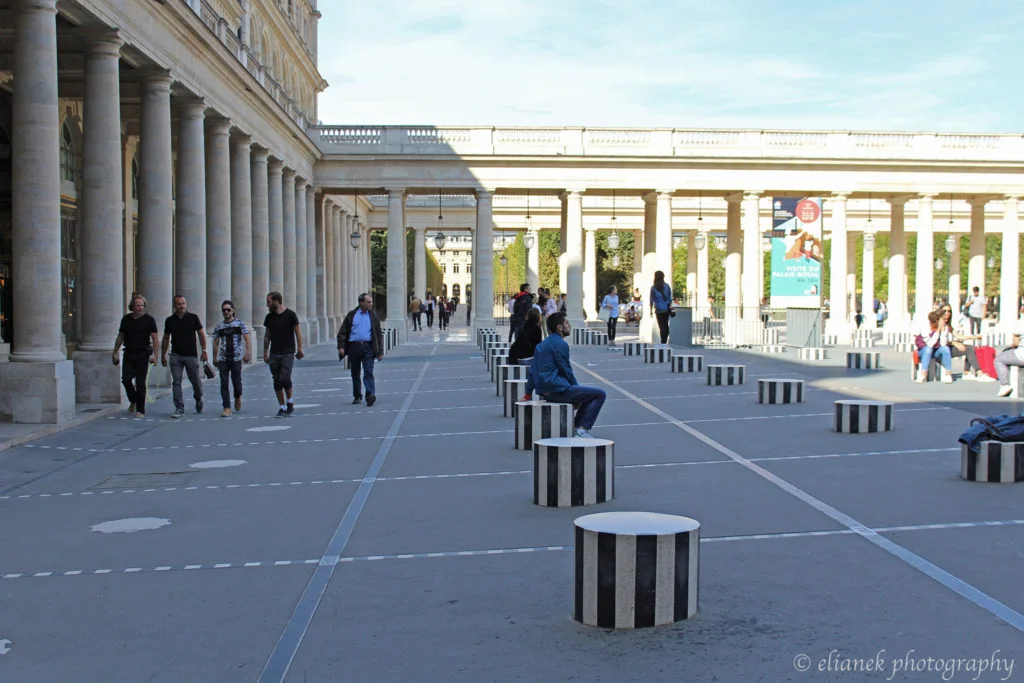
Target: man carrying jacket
553	377
360	338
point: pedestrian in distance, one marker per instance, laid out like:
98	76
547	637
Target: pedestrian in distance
661	303
361	339
282	346
228	338
414	308
180	331
138	334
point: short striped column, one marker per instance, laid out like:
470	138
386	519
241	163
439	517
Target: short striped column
598	338
726	375
492	354
483	332
992	338
863	333
863	360
635	569
861	416
773	348
813	353
687	363
580	335
505	373
995	462
780	391
486	337
657	354
536	420
391	334
905	347
498	361
770	337
569	472
898	337
830	339
863	343
634	348
513	391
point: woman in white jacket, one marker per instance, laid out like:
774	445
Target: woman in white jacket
610	307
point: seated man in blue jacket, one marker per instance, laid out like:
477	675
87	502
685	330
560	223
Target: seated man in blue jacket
554	379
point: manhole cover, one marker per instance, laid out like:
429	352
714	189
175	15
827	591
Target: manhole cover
150	480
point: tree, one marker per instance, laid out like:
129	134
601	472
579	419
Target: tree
508	278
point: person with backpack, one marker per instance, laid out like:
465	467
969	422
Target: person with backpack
661	303
522	303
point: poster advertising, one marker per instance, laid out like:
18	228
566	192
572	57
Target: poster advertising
796	253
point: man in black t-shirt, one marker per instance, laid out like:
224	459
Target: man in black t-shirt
138	334
282	344
180	330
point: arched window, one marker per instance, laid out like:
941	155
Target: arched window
67	154
456	290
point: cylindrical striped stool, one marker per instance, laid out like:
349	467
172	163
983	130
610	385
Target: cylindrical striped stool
481	332
507	372
598	338
898	337
780	391
813	353
571	472
498	361
773	348
863	360
830	339
537	420
725	375
687	363
905	347
635	569
492	354
580	335
513	393
860	416
488	337
657	354
634	348
770	336
863	343
863	333
491	345
995	462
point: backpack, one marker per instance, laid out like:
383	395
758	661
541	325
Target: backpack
523	302
1005	428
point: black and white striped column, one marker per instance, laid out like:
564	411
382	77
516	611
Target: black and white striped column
726	375
904	347
492	354
537	420
813	353
773	348
635	569
830	339
568	472
898	338
480	335
770	337
780	391
507	372
657	354
861	416
598	338
634	348
687	363
580	335
513	392
498	360
863	360
995	462
487	337
863	343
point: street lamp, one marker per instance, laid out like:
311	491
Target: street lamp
991	261
354	239
950	244
528	240
440	240
503	260
869	241
613	240
700	241
938	264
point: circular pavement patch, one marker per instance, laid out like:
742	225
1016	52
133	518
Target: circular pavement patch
268	428
213	464
131	525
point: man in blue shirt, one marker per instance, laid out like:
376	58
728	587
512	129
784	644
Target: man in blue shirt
361	338
554	379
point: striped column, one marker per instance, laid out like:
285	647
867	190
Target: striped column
598	338
773	349
864	343
634	348
995	462
657	354
864	333
498	359
580	335
863	360
770	336
505	373
904	347
813	353
726	375
537	420
780	391
573	472
635	569
687	363
860	416
830	339
513	390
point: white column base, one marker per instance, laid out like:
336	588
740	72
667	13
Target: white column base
38	393
258	333
5	353
648	330
313	338
304	329
97	379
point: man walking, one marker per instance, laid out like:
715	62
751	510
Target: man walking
361	339
553	377
976	309
138	334
227	350
180	331
518	307
414	308
281	346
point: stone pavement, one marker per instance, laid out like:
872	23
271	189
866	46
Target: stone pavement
400	542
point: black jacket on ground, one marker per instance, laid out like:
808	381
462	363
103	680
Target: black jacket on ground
376	336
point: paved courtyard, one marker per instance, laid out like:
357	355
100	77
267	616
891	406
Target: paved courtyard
400	542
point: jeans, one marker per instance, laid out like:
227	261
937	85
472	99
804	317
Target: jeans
1004	359
190	364
975	324
417	321
587	400
232	369
942	353
430	317
529	375
134	370
612	323
360	356
663	325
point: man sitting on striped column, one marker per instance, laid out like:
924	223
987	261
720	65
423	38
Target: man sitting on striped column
553	377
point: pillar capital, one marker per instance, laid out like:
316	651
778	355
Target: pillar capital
485	193
156	79
300	183
260	155
102	43
978	202
898	200
927	196
36	6
395	192
733	199
310	189
752	195
1012	197
288	174
840	196
589	228
575	191
664	193
241	141
275	165
218	125
192	108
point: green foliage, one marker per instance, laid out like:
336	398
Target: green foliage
550	247
379	261
508	278
434	276
608	275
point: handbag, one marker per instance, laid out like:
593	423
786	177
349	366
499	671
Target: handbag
604	314
208	370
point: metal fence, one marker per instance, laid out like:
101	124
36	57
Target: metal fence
727	326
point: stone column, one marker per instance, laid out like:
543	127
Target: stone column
155	242
313	337
648	328
691	270
838	295
638	259
344	264
218	218
483	293
751	270
324	216
733	257
419	263
867	302
851	275
241	228
190	208
276	225
396	263
288	232
954	276
703	283
590	272
260	240
976	260
897	303
1009	292
533	261
563	282
925	271
663	240
40	386
331	287
96	379
297	296
574	257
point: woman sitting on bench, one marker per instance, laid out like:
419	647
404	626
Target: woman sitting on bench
936	343
957	348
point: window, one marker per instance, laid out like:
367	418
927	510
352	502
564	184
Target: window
456	290
469	269
69	270
455	268
444	267
67	155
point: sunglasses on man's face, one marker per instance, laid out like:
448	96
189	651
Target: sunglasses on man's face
226	310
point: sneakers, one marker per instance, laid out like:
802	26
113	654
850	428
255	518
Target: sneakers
281	412
583	433
527	397
922	376
131	407
980	377
1005	391
178	412
947	378
199	406
226	412
238	403
291	408
357	400
967	377
140	415
371	399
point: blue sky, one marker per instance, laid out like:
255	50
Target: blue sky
795	64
